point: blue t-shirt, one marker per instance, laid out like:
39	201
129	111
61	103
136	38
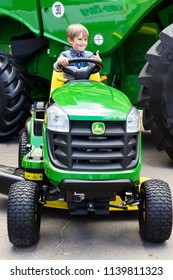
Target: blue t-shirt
70	54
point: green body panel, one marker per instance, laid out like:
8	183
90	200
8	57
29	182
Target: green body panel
27	13
33	160
92	101
113	20
119	17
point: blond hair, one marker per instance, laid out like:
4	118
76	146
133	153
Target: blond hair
75	29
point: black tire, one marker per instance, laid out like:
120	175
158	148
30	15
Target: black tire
23	213
15	97
23	141
156	95
155	211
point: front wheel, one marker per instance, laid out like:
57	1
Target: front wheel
155	211
23	213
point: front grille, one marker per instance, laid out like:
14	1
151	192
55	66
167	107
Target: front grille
80	149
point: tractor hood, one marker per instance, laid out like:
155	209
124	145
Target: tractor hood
90	99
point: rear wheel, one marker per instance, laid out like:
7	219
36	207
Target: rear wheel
155	211
156	96
15	96
23	141
24	213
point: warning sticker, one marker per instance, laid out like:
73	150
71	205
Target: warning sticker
33	176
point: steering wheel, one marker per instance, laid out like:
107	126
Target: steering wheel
83	72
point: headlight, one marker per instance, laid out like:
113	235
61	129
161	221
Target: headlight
133	121
56	119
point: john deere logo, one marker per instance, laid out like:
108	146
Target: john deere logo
98	128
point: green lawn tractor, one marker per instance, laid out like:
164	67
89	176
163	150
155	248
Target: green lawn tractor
81	151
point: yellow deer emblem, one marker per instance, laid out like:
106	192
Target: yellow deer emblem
98	128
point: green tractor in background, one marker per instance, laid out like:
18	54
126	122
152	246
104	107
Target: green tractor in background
33	34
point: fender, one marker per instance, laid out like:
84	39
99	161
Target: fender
27	14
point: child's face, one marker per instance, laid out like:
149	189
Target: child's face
79	43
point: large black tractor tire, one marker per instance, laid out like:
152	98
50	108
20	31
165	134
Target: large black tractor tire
23	141
156	95
23	213
15	97
155	211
